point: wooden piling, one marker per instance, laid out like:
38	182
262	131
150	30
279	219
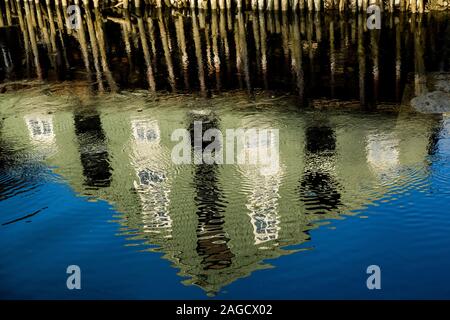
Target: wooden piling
261	5
413	6
198	52
342	5
8	13
32	37
225	45
145	50
421	6
263	43
99	31
165	39
361	61
420	77
332	60
296	63
181	38
374	45
398	57
94	49
256	37
317	5
215	47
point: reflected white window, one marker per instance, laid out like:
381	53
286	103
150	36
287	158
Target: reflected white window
261	148
382	151
262	174
40	128
145	130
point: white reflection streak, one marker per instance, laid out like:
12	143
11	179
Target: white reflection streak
152	183
40	128
264	179
382	152
41	132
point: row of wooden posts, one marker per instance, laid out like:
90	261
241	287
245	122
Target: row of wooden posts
213	54
256	5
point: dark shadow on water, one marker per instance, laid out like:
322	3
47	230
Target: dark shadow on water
320	139
212	241
319	191
93	150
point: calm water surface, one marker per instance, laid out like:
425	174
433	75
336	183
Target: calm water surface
86	175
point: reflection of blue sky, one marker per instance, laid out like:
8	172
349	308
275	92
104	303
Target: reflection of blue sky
73	230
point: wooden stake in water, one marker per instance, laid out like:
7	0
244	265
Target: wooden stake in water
413	6
166	47
317	5
297	59
198	52
33	39
94	48
420	78
262	30
421	6
99	31
332	60
261	5
398	56
342	4
361	61
8	13
179	29
215	47
145	50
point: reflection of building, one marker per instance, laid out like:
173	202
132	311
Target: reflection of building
41	133
382	152
40	128
211	221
